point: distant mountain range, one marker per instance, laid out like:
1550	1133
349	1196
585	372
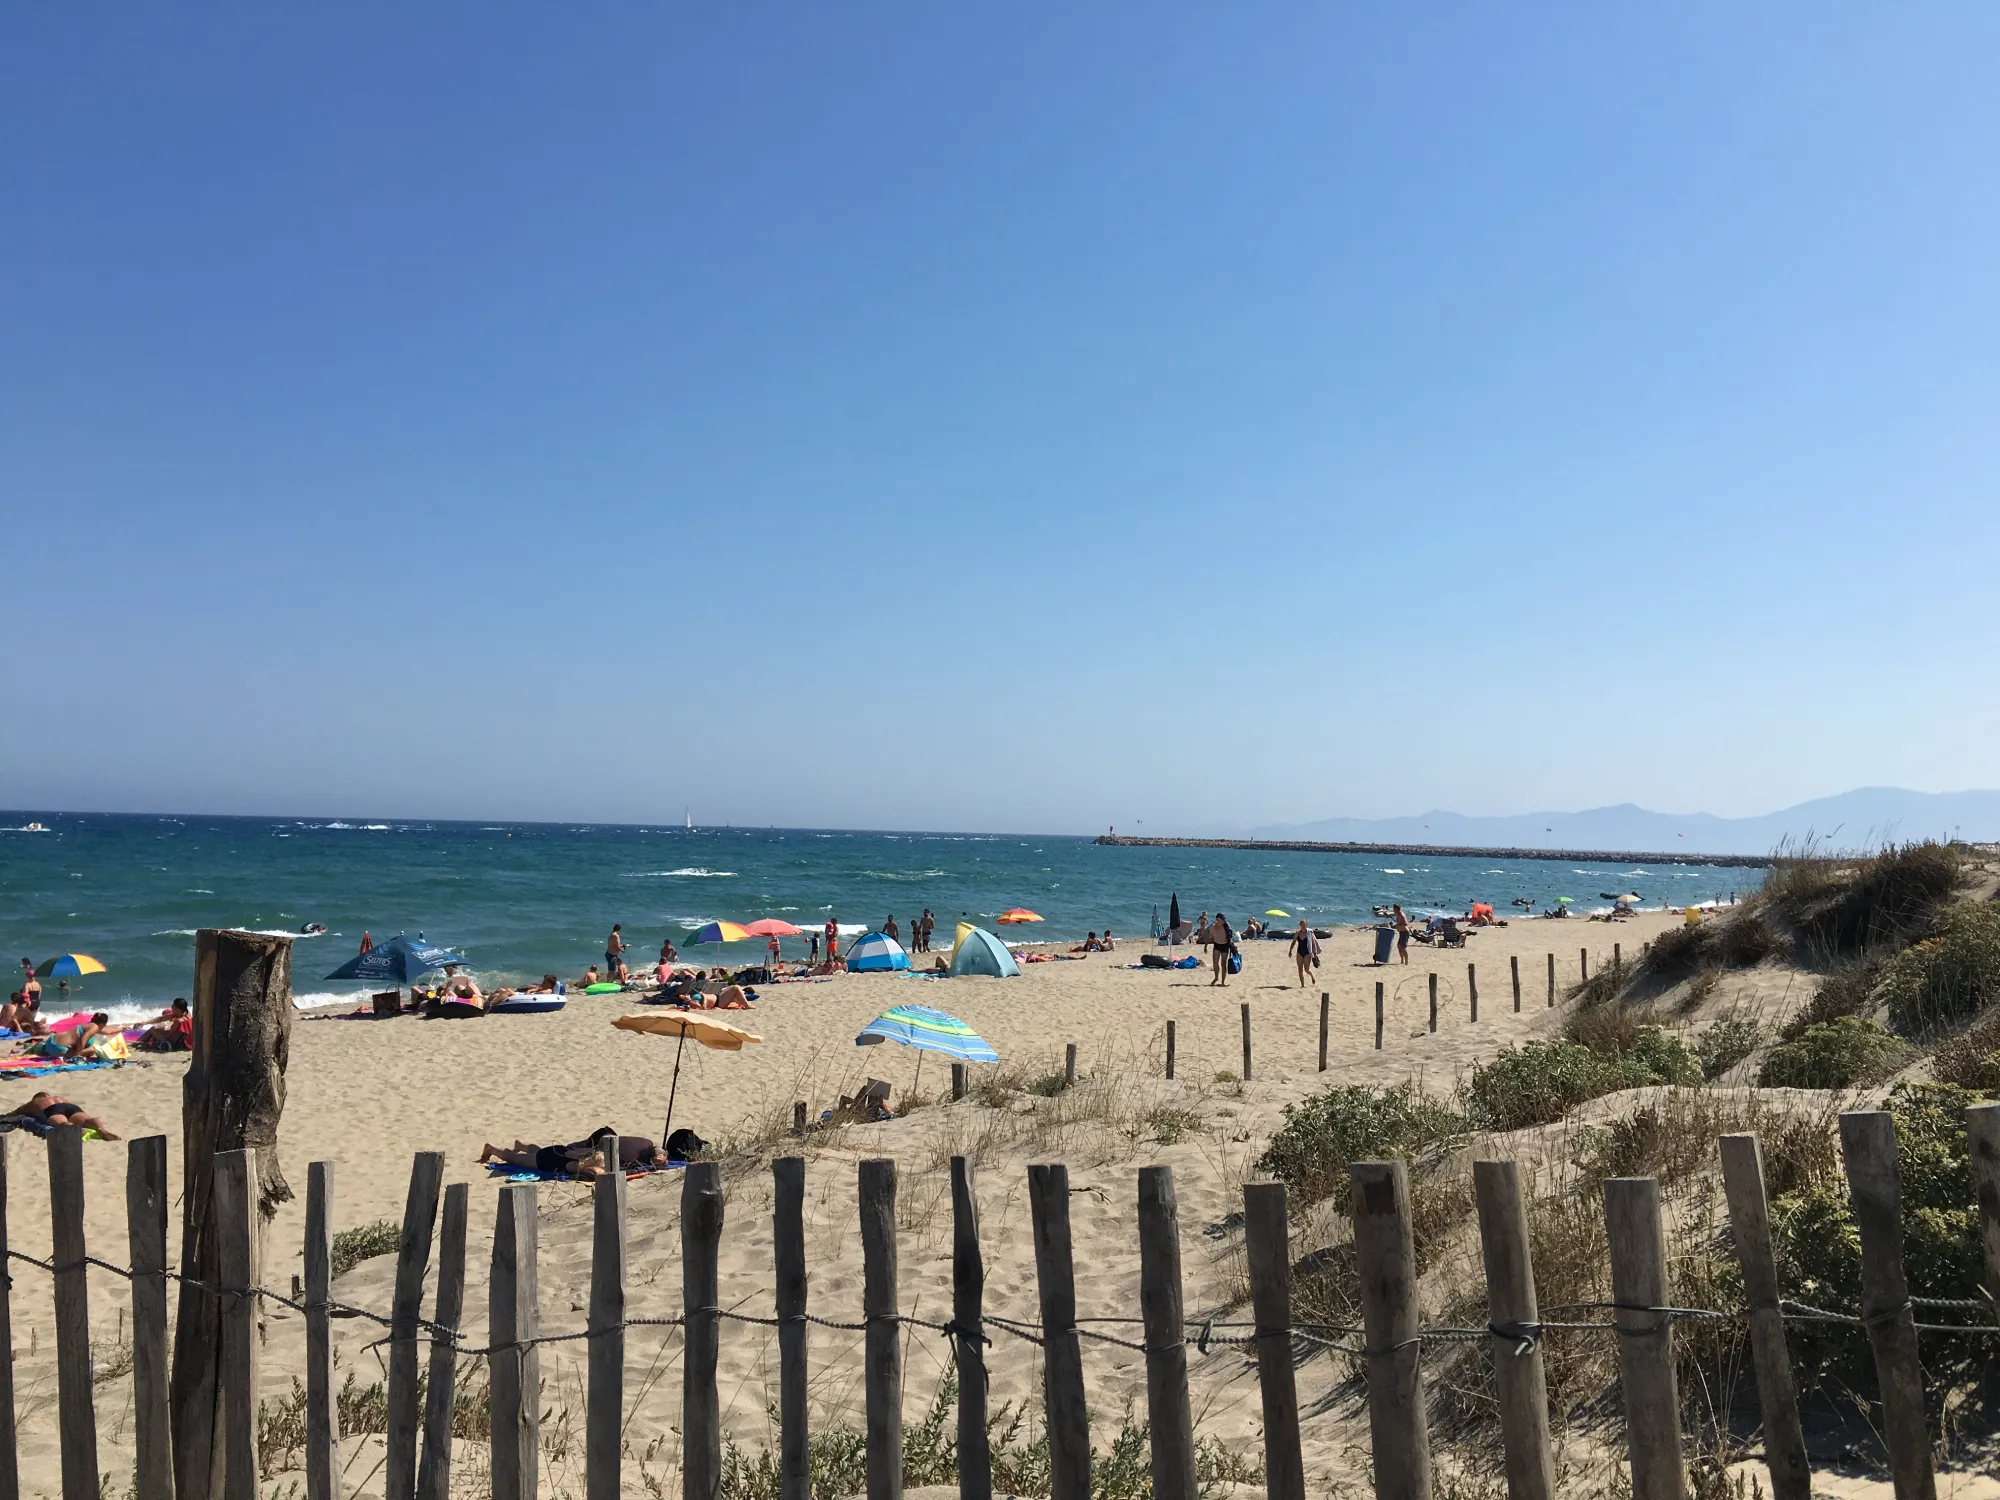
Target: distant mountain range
1858	819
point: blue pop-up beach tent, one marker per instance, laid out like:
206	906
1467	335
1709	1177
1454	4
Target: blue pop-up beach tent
398	961
876	953
981	952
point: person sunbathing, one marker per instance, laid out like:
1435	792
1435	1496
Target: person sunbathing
731	998
554	1161
53	1109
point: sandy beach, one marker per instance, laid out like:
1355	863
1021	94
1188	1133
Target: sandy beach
366	1094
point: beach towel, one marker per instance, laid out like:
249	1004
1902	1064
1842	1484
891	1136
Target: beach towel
506	1173
41	1067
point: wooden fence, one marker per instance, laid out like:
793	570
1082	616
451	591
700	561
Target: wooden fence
1390	1342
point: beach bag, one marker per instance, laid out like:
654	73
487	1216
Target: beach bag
685	1145
1235	962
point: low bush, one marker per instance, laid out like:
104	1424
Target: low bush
1735	941
1725	1044
1952	974
363	1242
1605	1026
1847	991
1311	1152
1834	1055
1842	907
1541	1081
1971	1060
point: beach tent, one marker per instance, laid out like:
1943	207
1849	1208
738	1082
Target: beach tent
875	953
978	951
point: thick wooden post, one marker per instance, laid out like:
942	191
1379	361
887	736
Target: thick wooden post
231	1097
1325	1020
76	1415
322	1407
604	1400
1552	981
1170	1049
440	1399
413	1256
1472	989
1868	1143
10	1468
1069	1065
957	1081
1062	1349
1617	957
1378	1015
701	1253
788	1239
146	1233
1434	1002
1399	1436
1267	1249
968	1315
513	1320
1512	1311
1167	1413
235	1217
1246	1041
1982	1136
1583	962
1645	1339
1514	966
882	1369
1750	1227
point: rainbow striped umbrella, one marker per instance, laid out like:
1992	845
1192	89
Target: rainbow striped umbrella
71	963
721	932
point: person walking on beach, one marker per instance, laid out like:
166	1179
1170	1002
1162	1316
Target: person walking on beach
890	930
1402	934
614	948
1221	939
1305	952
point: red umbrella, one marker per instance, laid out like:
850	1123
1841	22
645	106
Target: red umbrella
771	926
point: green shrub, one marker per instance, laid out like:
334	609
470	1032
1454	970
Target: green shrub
1736	941
1971	1059
1952	974
1819	1250
1834	1055
1540	1081
1725	1044
1664	1057
1843	906
1322	1136
363	1242
1848	991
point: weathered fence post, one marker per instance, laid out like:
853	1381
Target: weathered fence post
1069	1065
513	1319
1514	1317
1868	1145
1552	981
798	1117
1514	965
1472	989
1325	1020
1583	963
1617	958
146	1233
235	1218
322	1408
957	1081
882	1371
1170	1049
1166	1351
1399	1436
1378	1015
440	1399
1062	1350
1750	1227
968	1316
76	1415
413	1254
604	1400
1645	1338
10	1469
1982	1136
1434	1002
701	1253
1267	1251
1246	1041
788	1238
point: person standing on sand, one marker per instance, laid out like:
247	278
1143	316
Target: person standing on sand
890	930
832	940
1220	940
1402	934
1201	929
929	923
614	948
771	948
812	949
1305	952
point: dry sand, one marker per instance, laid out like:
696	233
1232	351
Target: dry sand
367	1094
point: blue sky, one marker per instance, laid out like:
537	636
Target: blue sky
996	417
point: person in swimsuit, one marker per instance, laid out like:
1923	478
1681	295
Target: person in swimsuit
1305	952
832	940
80	1039
1220	941
53	1109
554	1161
1402	933
614	950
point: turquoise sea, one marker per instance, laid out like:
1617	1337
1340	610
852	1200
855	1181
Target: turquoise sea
521	898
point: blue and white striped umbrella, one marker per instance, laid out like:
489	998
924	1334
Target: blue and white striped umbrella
928	1030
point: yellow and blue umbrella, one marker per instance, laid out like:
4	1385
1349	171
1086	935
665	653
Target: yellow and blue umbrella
66	964
927	1030
721	932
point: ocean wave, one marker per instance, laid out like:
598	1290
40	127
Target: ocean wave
692	872
1392	872
900	875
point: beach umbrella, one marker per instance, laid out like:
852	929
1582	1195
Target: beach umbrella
1018	914
1274	912
927	1030
771	926
704	1029
1174	913
65	965
398	961
720	932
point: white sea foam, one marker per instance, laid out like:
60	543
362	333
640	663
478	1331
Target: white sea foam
692	872
1392	872
901	875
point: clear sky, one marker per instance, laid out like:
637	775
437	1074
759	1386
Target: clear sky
985	416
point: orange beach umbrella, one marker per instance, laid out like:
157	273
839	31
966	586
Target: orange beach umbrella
1018	914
